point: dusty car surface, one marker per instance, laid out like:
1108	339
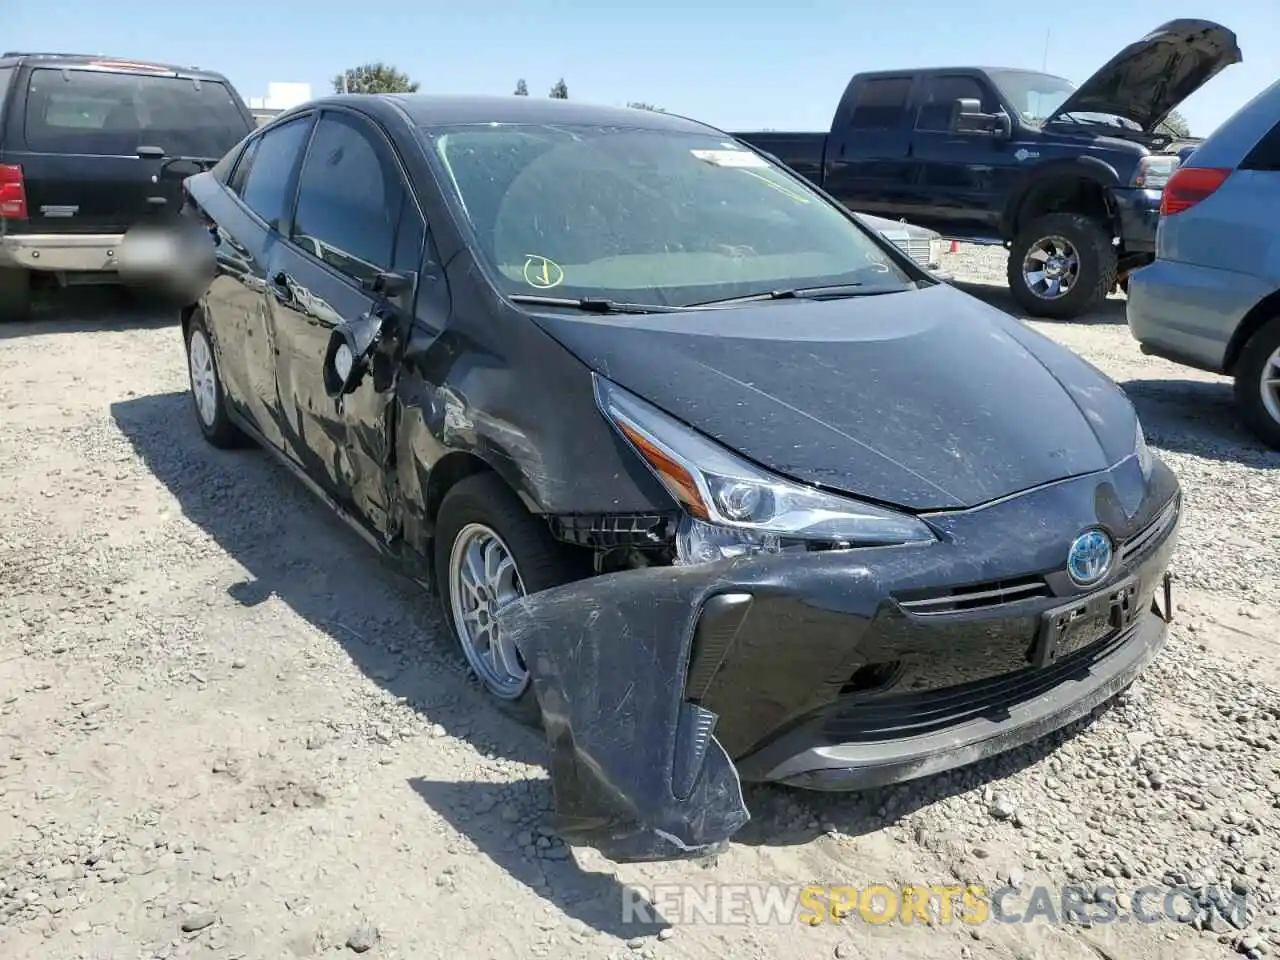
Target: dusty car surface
713	482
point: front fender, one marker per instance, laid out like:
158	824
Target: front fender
636	770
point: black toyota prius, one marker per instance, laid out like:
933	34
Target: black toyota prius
712	483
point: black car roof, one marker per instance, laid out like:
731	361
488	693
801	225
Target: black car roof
127	64
425	110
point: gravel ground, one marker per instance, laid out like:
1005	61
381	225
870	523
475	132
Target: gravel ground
229	731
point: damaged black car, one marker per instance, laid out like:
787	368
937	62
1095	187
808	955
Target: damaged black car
714	484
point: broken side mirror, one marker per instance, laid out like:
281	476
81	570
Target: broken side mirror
352	344
967	117
347	359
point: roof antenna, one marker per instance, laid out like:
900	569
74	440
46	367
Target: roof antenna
1044	61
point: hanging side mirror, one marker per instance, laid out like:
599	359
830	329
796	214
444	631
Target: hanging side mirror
346	361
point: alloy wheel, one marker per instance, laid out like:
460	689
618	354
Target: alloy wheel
204	382
1051	267
482	580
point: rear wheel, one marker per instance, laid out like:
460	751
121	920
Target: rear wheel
489	552
207	392
1257	383
15	295
1061	264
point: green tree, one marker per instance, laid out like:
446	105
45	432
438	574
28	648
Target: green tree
641	105
522	88
1175	125
374	78
559	91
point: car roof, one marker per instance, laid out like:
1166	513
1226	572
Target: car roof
426	110
125	64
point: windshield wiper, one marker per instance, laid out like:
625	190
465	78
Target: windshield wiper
593	304
830	291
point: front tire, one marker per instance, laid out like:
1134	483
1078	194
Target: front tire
490	551
1060	265
208	395
1257	383
15	295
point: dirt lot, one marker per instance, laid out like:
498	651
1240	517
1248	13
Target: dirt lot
229	731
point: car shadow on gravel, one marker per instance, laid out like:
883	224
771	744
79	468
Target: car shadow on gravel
1111	312
88	309
1197	417
296	551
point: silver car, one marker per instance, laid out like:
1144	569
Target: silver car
1211	299
921	244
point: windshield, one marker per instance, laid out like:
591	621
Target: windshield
1036	96
650	217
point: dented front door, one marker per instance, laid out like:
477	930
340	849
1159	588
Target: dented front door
353	220
342	446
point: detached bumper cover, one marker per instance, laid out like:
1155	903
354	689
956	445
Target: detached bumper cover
661	688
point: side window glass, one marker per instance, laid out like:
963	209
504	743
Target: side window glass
409	237
881	104
940	94
348	203
241	171
265	188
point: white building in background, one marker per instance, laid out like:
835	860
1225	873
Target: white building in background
280	97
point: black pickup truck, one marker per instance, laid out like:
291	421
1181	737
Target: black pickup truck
1067	178
91	147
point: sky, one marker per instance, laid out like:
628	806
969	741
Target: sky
736	67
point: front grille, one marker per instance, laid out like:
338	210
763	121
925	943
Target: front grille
918	250
872	719
1137	545
976	596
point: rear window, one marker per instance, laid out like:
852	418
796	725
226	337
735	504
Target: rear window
114	113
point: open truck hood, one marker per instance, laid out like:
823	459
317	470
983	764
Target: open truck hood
925	399
1148	79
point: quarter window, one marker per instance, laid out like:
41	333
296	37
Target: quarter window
264	187
348	201
1265	154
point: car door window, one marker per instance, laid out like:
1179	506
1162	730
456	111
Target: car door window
880	104
349	200
939	97
266	182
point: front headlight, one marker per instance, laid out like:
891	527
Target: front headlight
1145	459
735	507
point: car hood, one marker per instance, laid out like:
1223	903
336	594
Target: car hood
926	399
1147	80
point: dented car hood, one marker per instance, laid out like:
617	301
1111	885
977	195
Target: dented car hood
1147	80
927	399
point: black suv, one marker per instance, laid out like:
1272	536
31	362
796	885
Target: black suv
91	146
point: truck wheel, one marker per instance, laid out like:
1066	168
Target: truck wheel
1060	265
490	551
15	295
1257	385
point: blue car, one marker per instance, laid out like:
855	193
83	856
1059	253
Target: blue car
1211	299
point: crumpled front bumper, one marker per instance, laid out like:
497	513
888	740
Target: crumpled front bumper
661	688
